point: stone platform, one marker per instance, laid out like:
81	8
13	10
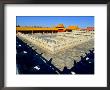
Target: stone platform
63	48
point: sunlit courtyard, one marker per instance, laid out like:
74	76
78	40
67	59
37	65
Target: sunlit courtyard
63	48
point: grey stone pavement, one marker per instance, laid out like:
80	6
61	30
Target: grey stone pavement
65	57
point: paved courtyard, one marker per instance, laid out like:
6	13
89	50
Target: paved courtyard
63	48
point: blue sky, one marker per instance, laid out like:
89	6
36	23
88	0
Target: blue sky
48	21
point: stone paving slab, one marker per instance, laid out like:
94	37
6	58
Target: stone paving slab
65	57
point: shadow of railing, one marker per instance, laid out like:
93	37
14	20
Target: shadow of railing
32	58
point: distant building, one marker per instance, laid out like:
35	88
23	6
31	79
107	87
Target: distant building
83	29
90	28
87	29
58	28
73	27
